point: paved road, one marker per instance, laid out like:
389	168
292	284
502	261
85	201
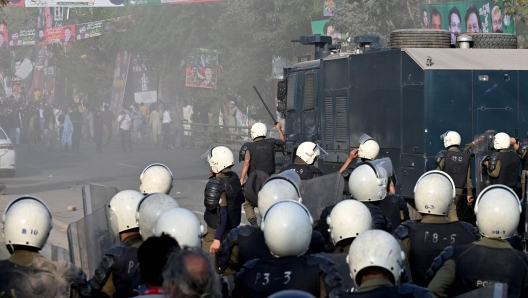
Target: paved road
57	177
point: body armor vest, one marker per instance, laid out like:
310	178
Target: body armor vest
306	172
235	199
456	166
262	156
508	174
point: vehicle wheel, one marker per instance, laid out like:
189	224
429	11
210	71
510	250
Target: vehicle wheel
420	38
493	40
10	173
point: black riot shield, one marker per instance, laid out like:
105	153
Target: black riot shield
49	251
96	196
482	151
90	237
497	290
320	192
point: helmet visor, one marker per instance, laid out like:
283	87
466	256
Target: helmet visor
364	138
442	136
322	152
207	156
382	166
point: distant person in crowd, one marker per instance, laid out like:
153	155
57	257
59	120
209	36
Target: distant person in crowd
137	119
455	22
67	35
124	122
155	125
425	19
496	19
187	116
190	273
144	110
98	129
166	128
32	132
330	7
108	122
88	124
67	131
77	120
82	32
178	127
472	19
3	43
436	19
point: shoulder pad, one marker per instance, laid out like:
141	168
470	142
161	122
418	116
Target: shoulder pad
250	264
495	156
471	229
317	171
242	152
438	262
414	290
277	142
318	243
212	193
332	278
404	230
439	157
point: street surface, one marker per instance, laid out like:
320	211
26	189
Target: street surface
57	177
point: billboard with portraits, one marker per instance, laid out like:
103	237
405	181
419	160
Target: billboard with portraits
202	69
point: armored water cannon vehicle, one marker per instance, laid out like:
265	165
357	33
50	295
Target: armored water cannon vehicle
404	96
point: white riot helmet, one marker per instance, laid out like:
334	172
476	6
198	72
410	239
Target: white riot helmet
451	138
498	212
155	178
369	181
219	158
287	227
434	193
501	141
375	248
258	130
309	151
124	205
182	225
348	219
281	187
368	148
27	221
150	209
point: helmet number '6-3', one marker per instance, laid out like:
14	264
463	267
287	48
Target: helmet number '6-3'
150	209
434	193
369	181
218	158
27	221
156	177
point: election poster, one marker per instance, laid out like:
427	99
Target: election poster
119	83
144	80
59	34
479	16
3	36
202	69
27	36
324	27
14	38
91	29
330	6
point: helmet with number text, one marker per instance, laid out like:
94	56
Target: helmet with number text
280	187
150	209
156	177
498	212
450	138
124	205
258	130
182	225
375	248
27	221
348	219
434	193
287	227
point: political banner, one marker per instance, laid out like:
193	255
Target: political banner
59	34
91	29
14	38
4	36
74	3
202	69
154	2
43	78
144	80
470	16
58	16
27	36
324	27
120	79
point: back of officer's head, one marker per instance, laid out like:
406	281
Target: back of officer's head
498	211
190	273
153	255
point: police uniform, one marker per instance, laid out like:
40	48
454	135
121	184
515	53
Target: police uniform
394	208
356	163
261	156
503	168
305	171
262	277
383	288
246	243
426	240
457	165
28	274
113	276
465	268
223	190
522	151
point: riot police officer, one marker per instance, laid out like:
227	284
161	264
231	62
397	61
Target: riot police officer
182	225
375	261
259	155
149	209
433	196
246	243
27	224
369	184
503	165
457	165
491	259
287	227
222	198
112	276
306	155
156	177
